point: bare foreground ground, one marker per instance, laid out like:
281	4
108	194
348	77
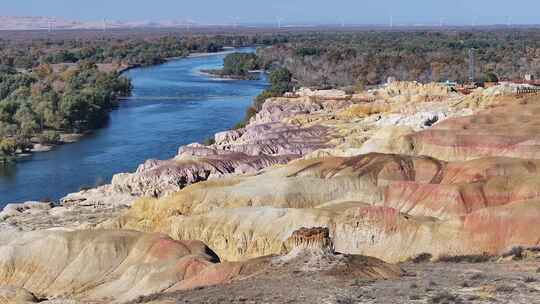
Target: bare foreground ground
426	282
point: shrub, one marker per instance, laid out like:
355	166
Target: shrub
445	298
529	279
473	258
477	276
422	258
8	146
49	137
516	253
414	297
84	188
209	141
491	77
505	289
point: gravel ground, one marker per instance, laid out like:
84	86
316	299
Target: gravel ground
432	283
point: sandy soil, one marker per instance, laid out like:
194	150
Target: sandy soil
504	282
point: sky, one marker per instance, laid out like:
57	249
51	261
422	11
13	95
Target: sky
291	11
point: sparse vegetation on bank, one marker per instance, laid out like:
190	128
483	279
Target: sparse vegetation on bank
280	82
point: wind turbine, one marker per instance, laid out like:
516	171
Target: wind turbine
279	21
104	25
392	21
188	23
441	22
235	21
474	20
509	21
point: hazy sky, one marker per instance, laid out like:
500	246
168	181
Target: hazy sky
292	11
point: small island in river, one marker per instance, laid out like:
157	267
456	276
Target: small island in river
238	66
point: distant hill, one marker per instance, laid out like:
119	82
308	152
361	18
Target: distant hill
44	23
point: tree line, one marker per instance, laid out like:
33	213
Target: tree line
370	57
136	50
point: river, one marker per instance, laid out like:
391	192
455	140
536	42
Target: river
171	105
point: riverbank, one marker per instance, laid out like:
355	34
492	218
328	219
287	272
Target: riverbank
218	74
128	139
69	138
64	138
192	55
227	50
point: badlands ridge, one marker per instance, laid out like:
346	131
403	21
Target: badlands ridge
392	173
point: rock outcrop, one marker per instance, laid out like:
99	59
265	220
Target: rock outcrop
103	266
16	295
116	266
510	131
11	210
316	238
392	173
156	178
389	206
292	127
311	270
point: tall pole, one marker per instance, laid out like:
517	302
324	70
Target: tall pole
472	65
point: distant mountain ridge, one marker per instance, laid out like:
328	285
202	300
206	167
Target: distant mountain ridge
58	23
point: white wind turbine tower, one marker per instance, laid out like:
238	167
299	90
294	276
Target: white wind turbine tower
52	25
104	25
188	23
474	21
509	21
279	21
441	22
391	11
235	21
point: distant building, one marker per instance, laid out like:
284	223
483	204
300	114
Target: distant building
529	77
451	84
390	80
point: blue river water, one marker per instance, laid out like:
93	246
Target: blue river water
172	105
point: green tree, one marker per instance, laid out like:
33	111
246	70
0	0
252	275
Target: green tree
73	107
280	81
491	77
27	121
8	146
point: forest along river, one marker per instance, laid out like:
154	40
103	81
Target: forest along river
172	105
